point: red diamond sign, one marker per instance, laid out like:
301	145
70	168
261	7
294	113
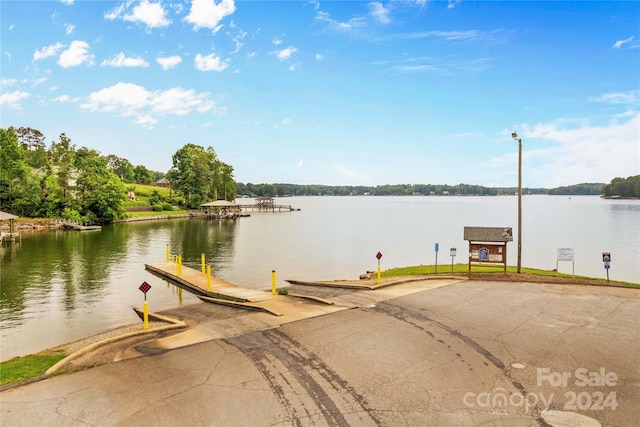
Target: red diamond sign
145	287
379	255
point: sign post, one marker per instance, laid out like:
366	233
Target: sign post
273	282
606	258
452	252
145	318
437	248
378	255
566	254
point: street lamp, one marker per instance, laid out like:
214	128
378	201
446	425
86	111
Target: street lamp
514	135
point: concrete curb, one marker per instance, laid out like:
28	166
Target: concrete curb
242	305
174	324
349	284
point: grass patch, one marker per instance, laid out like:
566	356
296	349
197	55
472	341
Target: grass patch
22	368
419	270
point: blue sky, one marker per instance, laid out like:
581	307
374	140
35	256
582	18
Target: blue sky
336	92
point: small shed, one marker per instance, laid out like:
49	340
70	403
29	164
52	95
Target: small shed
488	245
163	182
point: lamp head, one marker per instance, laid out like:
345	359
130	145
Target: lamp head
514	135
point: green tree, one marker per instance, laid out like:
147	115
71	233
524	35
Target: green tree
142	175
198	175
99	191
13	169
33	141
121	167
62	156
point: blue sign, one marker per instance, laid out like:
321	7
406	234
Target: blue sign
437	247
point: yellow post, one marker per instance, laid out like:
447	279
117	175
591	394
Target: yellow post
378	272
168	251
208	277
202	259
179	265
273	282
145	312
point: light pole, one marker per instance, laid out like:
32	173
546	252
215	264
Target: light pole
514	135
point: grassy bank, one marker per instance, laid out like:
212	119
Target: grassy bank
528	274
33	366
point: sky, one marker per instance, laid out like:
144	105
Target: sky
336	92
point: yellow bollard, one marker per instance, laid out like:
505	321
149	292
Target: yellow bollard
208	277
179	265
168	251
202	259
145	311
273	282
378	273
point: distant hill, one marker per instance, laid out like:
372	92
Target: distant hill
585	189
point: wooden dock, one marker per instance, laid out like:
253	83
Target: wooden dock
196	282
269	208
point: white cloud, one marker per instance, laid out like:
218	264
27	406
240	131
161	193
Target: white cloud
8	82
151	14
630	97
169	62
67	2
64	99
68	28
276	41
40	81
122	61
208	13
47	51
300	163
589	153
452	4
77	54
285	53
352	24
147	107
12	99
350	173
319	57
209	63
379	12
294	67
618	44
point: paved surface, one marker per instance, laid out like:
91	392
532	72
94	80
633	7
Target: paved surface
469	353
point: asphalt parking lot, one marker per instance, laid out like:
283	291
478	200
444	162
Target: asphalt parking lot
468	353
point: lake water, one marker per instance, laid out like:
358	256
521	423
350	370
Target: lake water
58	287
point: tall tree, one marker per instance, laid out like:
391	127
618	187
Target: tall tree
13	169
33	141
62	155
197	174
99	191
121	167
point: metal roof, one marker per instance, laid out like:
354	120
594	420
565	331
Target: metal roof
220	203
488	234
6	215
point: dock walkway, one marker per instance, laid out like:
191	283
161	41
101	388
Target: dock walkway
195	281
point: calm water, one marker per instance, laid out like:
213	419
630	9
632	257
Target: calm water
58	287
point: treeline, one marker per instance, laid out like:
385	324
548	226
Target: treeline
586	189
80	184
627	188
283	190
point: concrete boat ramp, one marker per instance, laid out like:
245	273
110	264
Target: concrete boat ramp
266	311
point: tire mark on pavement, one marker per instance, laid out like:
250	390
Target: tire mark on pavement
413	317
275	354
